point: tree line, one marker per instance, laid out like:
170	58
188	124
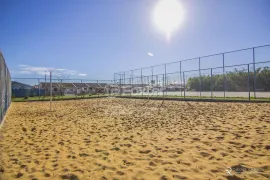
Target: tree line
236	80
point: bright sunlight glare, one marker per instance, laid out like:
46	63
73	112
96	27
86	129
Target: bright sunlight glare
168	15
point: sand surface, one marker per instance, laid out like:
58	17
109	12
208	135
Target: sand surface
135	139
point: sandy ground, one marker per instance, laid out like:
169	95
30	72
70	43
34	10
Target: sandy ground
135	139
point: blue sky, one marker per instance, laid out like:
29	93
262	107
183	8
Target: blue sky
92	39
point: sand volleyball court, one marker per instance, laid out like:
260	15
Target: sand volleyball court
110	138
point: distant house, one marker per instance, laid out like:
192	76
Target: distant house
132	88
24	90
17	86
71	88
97	87
138	88
57	88
175	87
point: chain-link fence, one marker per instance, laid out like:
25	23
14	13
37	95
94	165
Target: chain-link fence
31	89
5	87
243	74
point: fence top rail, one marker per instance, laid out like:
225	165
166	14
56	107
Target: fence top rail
237	65
139	77
63	79
227	52
177	72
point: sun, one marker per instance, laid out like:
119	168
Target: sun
168	15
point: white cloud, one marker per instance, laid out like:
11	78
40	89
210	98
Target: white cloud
82	74
26	69
60	69
150	54
25	72
22	65
35	70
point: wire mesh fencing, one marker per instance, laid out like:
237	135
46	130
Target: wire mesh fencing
5	87
31	89
242	74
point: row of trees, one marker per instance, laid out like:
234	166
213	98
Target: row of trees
236	80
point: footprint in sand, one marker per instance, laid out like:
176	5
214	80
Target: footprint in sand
144	151
70	177
179	177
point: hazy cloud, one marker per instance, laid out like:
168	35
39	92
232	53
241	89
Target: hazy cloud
82	74
150	54
38	70
22	65
25	72
60	69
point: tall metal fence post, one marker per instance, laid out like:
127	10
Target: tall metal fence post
180	83
148	86
254	69
124	78
120	84
97	86
163	81
184	85
130	86
46	85
224	76
165	78
142	82
81	89
200	77
63	89
132	81
1	88
5	92
119	80
38	89
50	90
248	84
211	83
152	73
158	85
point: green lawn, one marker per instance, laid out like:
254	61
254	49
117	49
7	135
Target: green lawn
55	98
198	97
47	98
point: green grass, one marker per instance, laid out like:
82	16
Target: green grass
202	97
47	98
55	98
